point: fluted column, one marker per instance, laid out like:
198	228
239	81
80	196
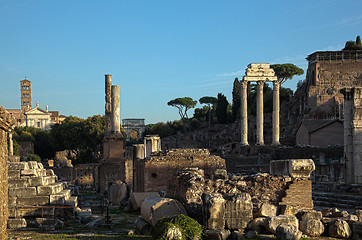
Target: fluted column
276	106
116	116
259	113
108	107
244	113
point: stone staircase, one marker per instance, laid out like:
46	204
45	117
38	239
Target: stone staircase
35	194
341	201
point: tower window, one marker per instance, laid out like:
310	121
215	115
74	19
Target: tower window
27	95
24	103
27	87
23	95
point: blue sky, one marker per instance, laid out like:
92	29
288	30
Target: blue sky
157	50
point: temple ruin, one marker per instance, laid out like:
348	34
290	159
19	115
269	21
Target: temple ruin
259	73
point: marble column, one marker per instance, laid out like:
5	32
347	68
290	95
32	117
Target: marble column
108	107
276	106
11	144
259	113
244	113
115	115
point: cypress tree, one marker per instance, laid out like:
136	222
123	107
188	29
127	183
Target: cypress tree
236	100
221	108
358	41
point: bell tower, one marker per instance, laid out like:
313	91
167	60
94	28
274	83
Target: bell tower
25	96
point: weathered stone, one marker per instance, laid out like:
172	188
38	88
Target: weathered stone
297	168
16	223
213	234
358	212
236	235
214	211
50	189
328	212
14	174
32	211
32	201
238	211
22	192
311	227
50	172
173	233
155	208
60	198
271	223
305	215
84	215
49	224
221	174
258	224
29	172
18	166
339	229
340	214
350	218
267	210
33	164
284	209
118	192
288	232
17	183
12	201
251	234
143	226
357	230
137	198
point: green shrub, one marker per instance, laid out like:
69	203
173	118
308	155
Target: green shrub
34	157
189	227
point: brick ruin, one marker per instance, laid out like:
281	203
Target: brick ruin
6	127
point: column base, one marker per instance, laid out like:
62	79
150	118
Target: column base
276	144
260	144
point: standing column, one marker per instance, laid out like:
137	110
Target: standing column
244	113
259	113
108	107
115	116
276	106
11	144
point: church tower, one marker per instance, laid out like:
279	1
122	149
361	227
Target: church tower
25	90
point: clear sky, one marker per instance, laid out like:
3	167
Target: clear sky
157	50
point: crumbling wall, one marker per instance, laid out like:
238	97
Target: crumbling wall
159	172
84	175
6	124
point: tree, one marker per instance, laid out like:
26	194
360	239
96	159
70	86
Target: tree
286	71
182	104
209	101
236	100
221	108
358	41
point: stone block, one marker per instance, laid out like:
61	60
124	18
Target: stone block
72	201
49	224
271	223
311	227
40	166
50	172
16	223
14	174
60	198
213	234
288	232
305	215
155	208
17	183
33	165
84	215
32	201
339	229
29	172
267	210
238	211
12	201
137	198
18	166
50	189
22	192
213	211
358	212
296	168
118	192
33	211
144	227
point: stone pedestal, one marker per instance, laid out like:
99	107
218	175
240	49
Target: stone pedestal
113	146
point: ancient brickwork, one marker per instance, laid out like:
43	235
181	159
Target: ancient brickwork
159	172
298	194
84	175
6	125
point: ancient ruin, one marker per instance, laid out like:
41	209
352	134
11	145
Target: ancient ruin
260	73
134	127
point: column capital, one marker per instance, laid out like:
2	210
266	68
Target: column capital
260	82
276	84
244	83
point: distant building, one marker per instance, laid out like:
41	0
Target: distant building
33	117
134	127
